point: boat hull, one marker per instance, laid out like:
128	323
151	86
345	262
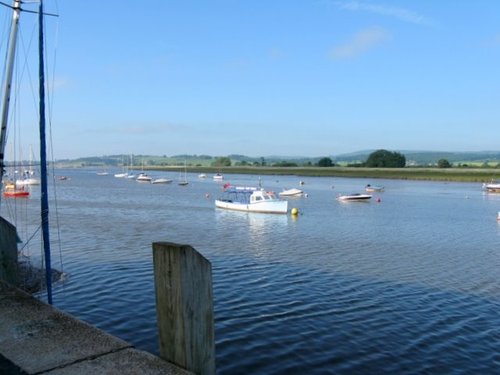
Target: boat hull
16	194
354	197
28	181
161	181
492	188
277	207
291	193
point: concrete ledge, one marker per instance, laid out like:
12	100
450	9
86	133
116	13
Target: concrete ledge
39	339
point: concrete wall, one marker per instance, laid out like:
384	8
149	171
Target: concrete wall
39	339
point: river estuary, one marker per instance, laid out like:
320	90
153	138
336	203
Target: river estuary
409	284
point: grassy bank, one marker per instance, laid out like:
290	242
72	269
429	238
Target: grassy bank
432	174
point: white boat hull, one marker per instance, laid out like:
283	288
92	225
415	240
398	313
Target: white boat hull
161	181
277	207
291	193
354	197
492	188
143	178
28	181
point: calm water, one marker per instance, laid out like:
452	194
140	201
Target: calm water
410	284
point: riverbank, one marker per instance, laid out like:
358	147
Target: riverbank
429	174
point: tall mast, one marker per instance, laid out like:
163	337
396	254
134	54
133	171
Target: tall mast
43	161
6	89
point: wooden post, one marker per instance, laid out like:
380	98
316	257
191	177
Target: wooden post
8	252
184	307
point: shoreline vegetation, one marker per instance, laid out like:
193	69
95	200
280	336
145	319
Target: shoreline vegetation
407	173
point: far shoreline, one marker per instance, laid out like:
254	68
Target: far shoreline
407	173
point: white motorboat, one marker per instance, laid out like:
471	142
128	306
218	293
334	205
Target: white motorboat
161	181
373	188
354	197
143	177
294	192
28	181
218	177
251	199
492	187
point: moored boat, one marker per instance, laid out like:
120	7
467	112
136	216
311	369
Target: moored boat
143	177
28	181
161	181
16	193
294	192
218	177
251	199
373	188
492	187
354	197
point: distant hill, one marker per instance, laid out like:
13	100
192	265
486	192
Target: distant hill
413	158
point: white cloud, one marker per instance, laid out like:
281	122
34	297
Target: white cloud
360	43
399	13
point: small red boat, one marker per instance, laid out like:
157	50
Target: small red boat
16	193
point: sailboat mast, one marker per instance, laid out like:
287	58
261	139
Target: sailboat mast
43	161
6	89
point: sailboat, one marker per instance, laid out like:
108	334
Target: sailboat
6	96
124	172
183	178
28	175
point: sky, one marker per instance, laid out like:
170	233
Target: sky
271	77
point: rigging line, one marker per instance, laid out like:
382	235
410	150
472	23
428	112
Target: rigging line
31	237
26	65
50	103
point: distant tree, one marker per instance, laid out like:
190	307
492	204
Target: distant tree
242	163
385	159
222	161
325	162
262	161
285	164
443	163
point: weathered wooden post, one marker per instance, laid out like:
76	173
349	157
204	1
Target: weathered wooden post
184	307
8	252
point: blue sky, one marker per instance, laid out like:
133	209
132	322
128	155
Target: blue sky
274	77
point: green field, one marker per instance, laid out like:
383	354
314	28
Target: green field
433	174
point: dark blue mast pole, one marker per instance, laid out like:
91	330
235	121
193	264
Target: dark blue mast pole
43	161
